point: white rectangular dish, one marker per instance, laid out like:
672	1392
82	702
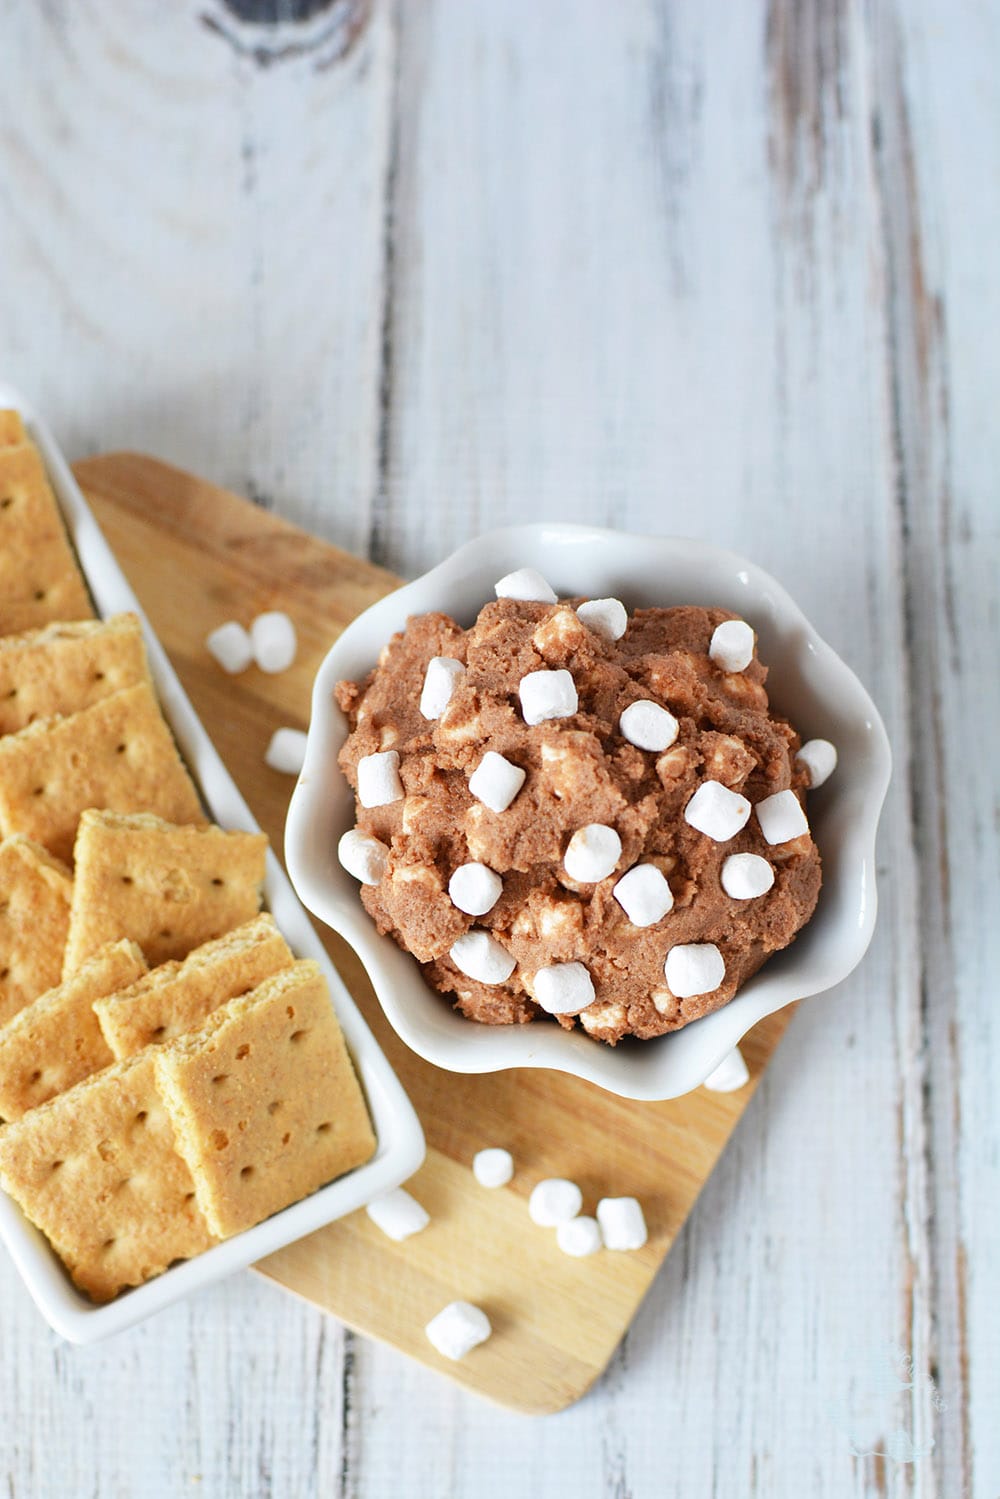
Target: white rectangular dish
400	1149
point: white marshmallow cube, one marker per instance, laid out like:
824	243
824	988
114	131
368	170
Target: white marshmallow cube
440	680
781	817
286	751
592	853
475	888
606	617
623	1225
731	1074
493	1167
554	1201
644	895
563	988
547	694
527	585
745	876
274	641
398	1214
819	757
694	968
231	646
717	812
732	645
458	1329
480	956
495	781
579	1237
648	726
363	856
378	779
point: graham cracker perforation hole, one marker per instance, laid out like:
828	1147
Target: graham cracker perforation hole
160	1031
39	595
324	1128
246	1173
243	1052
219	1139
38	791
221	1077
6	502
273	1108
141	1117
298	1036
36	1076
217	881
126	879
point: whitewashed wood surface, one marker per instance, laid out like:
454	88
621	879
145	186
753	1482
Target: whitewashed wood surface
404	272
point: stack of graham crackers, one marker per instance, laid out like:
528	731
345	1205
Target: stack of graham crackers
169	1073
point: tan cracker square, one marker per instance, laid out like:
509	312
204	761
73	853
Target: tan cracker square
35	892
39	578
65	667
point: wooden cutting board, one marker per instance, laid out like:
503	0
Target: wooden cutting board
197	556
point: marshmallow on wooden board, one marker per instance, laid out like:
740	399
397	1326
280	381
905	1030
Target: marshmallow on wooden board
554	1200
398	1214
563	988
363	856
378	779
579	1237
274	641
440	680
527	585
547	694
644	895
481	957
694	968
286	751
781	817
231	646
608	618
623	1225
819	757
458	1328
717	812
731	1074
475	888
493	1167
648	726
495	781
592	853
745	876
731	646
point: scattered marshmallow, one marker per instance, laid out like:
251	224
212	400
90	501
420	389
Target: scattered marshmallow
363	856
480	956
592	853
731	1074
287	751
475	888
398	1214
732	645
440	680
563	988
717	812
644	895
648	726
554	1201
819	757
495	781
623	1225
606	617
493	1167
781	817
378	779
274	641
579	1237
694	968
231	646
528	585
745	876
547	694
458	1329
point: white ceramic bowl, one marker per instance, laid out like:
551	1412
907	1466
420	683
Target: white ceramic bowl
807	681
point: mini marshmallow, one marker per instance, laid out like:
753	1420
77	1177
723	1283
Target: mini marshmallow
479	956
495	781
745	876
732	645
286	751
592	853
378	779
606	617
731	1074
563	988
547	694
694	968
475	889
231	646
644	895
717	812
623	1225
362	856
648	726
554	1201
819	757
398	1214
274	642
458	1329
781	817
527	585
440	680
579	1237
493	1168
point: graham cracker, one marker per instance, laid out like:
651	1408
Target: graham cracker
264	1101
35	892
12	432
166	887
176	997
39	578
97	1171
62	668
116	754
56	1041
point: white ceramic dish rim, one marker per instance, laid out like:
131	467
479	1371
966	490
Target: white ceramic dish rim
808	681
400	1137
